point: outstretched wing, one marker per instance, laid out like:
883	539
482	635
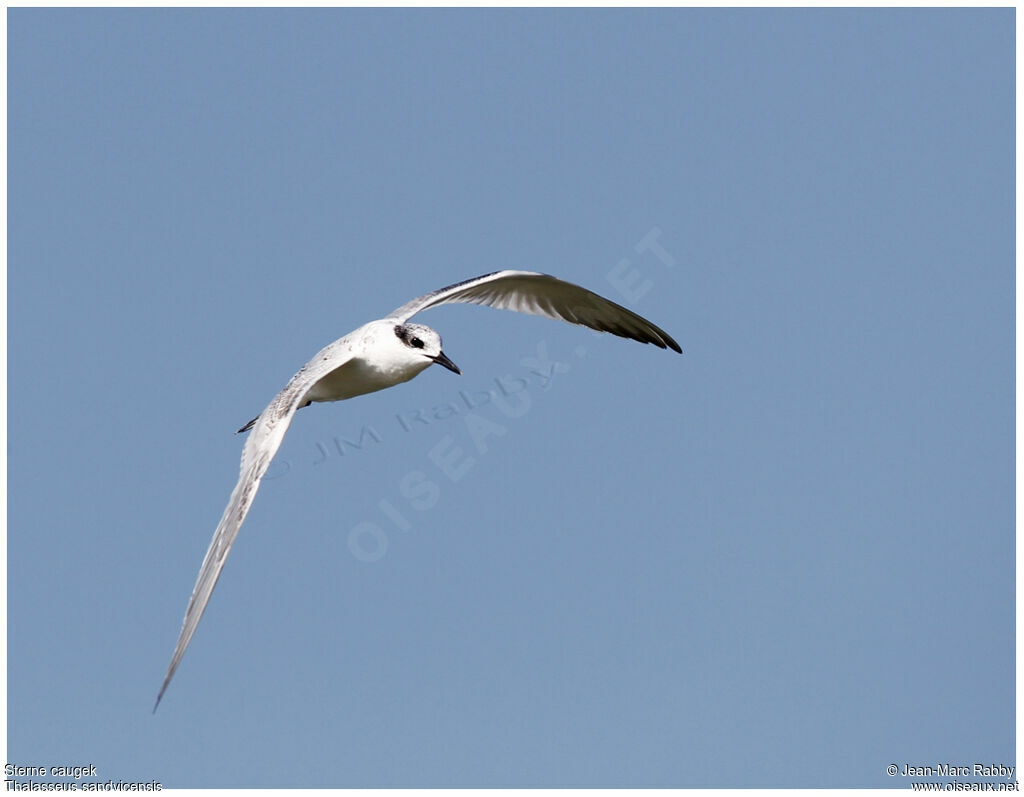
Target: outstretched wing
543	295
264	440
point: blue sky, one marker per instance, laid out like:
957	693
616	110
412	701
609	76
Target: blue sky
785	558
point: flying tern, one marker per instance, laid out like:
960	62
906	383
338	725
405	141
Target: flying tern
381	354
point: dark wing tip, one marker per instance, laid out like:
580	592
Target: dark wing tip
664	342
165	684
649	333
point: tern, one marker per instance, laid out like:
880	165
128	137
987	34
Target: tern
379	355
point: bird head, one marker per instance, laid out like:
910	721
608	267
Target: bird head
423	341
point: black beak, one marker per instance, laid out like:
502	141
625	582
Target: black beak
441	359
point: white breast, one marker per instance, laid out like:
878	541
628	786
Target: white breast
358	376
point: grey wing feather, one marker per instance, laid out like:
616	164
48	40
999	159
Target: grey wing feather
268	432
547	296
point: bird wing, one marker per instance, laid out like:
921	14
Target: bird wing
543	295
264	440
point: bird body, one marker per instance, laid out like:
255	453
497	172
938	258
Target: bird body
379	355
391	364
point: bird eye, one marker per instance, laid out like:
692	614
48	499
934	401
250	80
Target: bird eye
417	343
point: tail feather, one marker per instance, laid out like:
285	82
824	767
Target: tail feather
249	425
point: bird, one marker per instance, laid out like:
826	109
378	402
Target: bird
379	355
